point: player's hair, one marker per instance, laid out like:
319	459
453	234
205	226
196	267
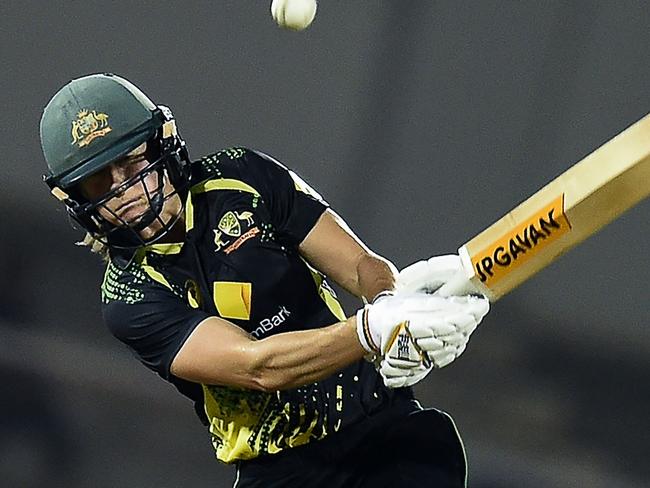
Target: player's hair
96	246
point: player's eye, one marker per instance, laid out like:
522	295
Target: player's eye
96	185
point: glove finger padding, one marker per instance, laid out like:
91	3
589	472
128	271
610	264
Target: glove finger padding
454	339
444	360
396	374
430	344
427	276
432	326
443	357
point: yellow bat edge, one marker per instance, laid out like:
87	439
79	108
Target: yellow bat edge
572	207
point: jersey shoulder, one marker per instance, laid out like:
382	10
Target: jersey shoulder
123	284
238	163
131	281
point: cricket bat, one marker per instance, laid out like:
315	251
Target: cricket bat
572	207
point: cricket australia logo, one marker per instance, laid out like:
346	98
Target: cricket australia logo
89	126
230	225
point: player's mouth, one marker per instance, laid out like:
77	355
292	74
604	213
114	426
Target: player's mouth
130	210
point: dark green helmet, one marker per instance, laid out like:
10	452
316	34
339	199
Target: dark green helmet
94	121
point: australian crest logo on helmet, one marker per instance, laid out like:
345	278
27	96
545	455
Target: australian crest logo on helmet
88	126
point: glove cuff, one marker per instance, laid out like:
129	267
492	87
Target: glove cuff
383	294
363	331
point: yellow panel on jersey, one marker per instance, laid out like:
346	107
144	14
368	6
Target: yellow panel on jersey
246	423
304	187
233	299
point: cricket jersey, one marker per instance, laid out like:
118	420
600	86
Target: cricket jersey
245	215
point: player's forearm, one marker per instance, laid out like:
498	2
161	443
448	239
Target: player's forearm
293	359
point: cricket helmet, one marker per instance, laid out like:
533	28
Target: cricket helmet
94	121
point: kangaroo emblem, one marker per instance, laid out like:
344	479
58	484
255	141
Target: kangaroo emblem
217	240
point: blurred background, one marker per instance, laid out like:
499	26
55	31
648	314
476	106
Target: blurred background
421	122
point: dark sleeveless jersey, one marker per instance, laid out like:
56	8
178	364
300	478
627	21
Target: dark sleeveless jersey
245	216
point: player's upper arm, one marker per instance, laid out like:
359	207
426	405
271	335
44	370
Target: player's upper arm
148	317
332	248
172	338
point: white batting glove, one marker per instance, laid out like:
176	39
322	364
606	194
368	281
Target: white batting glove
463	318
383	325
440	339
428	275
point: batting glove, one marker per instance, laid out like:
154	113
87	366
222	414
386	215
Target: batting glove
429	275
440	339
383	326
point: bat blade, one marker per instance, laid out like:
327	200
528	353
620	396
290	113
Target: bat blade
572	207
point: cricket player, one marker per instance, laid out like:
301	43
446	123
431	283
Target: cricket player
215	279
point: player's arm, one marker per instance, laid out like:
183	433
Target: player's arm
332	248
304	220
219	352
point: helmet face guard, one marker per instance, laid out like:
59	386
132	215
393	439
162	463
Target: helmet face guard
168	160
126	234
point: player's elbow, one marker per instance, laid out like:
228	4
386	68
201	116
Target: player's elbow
266	375
268	383
374	274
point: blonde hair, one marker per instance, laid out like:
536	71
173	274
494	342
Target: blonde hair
95	245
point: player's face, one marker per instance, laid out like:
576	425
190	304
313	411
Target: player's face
130	204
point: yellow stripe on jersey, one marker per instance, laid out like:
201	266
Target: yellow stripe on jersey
189	213
326	293
223	184
233	299
304	187
154	274
167	248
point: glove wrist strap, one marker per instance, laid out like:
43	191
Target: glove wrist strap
382	294
363	331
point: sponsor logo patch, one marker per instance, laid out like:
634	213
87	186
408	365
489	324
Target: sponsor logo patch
266	325
522	243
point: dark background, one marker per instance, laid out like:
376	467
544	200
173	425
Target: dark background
421	122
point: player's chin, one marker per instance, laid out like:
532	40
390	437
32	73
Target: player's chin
152	231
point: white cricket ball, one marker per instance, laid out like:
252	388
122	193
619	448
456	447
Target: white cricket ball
293	14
